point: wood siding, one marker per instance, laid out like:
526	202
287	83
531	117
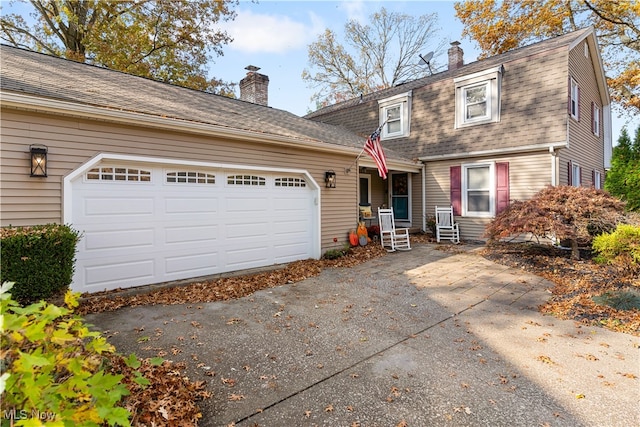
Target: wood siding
585	148
72	142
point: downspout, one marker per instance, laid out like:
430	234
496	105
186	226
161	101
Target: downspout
554	166
424	197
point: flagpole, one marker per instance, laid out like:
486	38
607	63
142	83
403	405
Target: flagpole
348	169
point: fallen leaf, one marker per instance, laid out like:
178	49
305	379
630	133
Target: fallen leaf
235	397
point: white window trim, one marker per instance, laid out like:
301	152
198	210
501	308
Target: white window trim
596	119
493	79
576	175
402	100
575	99
492	190
597	180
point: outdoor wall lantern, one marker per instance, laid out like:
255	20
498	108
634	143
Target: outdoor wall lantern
38	160
330	179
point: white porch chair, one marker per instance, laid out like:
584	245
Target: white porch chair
446	227
391	237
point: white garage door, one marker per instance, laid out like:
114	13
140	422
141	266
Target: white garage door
145	223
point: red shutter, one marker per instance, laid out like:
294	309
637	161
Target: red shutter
593	178
502	186
593	117
570	173
455	182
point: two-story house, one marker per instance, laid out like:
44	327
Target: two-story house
487	132
167	183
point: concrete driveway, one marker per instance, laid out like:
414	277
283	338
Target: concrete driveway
420	338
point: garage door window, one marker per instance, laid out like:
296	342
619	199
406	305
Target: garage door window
118	174
290	182
250	180
190	178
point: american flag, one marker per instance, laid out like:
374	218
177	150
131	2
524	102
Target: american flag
374	149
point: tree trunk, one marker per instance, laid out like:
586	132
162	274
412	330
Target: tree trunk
575	251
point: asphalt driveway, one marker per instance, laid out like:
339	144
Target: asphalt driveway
420	338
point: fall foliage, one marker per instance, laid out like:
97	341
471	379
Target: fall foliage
564	212
163	40
500	26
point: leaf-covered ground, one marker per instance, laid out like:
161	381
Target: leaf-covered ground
577	282
164	402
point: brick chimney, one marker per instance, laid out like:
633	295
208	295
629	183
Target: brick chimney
254	87
455	56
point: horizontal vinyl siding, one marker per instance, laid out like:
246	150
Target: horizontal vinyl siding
528	174
585	148
71	142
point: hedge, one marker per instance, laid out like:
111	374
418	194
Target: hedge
39	259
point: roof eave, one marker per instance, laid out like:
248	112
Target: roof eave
52	106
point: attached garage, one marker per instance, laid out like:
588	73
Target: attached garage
149	221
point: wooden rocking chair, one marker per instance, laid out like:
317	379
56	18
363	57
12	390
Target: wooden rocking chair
446	227
392	238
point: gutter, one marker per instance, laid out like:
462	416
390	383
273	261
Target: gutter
30	103
498	151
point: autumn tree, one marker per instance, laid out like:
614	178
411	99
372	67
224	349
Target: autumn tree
575	214
165	40
500	26
375	56
623	179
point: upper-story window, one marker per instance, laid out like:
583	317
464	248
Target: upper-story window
478	97
395	114
595	119
574	101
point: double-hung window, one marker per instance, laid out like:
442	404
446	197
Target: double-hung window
595	120
478	97
574	100
395	115
478	189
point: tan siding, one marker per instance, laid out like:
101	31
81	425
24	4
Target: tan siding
72	142
528	174
585	148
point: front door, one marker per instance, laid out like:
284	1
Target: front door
400	191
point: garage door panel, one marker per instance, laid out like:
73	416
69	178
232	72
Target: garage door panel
118	206
247	257
119	239
249	204
244	231
196	265
290	205
291	252
191	234
139	233
184	205
99	276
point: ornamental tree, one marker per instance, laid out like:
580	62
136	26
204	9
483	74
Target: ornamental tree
575	214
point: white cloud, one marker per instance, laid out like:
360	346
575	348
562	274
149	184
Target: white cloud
262	33
355	10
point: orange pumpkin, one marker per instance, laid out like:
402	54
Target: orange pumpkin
353	238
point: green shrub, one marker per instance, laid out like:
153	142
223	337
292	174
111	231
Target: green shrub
336	253
53	367
620	247
38	259
620	300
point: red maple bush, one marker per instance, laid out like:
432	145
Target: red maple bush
574	214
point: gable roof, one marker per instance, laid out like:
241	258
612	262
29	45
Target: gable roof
568	40
42	82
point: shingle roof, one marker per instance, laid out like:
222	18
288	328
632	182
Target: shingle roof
45	76
553	43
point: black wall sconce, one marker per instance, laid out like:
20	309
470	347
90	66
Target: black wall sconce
330	179
38	160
